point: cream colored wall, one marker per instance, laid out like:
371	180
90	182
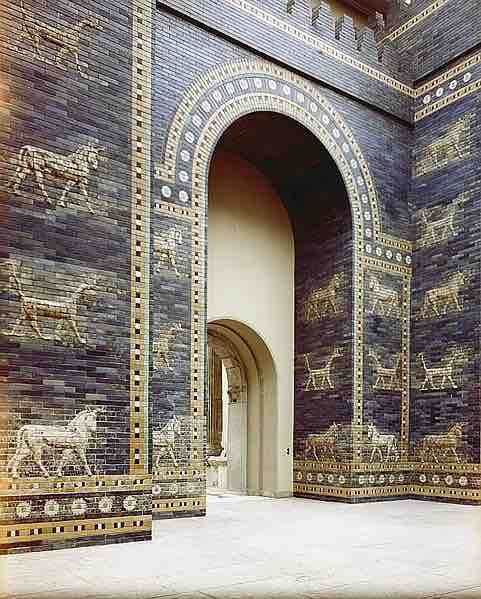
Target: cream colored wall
251	280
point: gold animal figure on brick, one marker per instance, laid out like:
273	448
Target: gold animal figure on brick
65	40
65	313
321	378
73	170
378	441
324	299
441	298
387	378
434	445
385	298
166	247
164	440
70	440
441	227
439	377
451	147
161	347
325	443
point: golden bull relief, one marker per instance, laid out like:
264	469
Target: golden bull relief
439	300
324	443
451	147
324	300
386	301
438	224
442	445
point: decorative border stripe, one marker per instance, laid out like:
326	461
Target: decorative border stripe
452	72
189	473
399	244
172	210
74	485
462	93
409	466
427	12
317	44
388	491
31	532
179	504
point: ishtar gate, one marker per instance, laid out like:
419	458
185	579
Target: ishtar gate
240	251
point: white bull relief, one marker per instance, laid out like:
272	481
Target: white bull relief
68	441
72	170
380	441
165	246
161	347
164	440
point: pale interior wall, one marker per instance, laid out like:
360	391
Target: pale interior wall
251	280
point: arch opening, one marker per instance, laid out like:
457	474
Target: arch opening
280	260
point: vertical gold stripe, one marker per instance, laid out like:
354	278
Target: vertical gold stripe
358	343
140	222
406	371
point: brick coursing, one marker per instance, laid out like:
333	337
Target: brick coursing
117	290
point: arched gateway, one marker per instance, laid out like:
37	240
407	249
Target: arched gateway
216	101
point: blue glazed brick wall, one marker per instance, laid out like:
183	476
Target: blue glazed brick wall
443	35
445	301
313	50
323	236
102	289
65	278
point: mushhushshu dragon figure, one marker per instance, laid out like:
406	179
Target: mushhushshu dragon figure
66	40
65	312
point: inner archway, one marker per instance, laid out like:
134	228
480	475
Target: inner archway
245	464
280	260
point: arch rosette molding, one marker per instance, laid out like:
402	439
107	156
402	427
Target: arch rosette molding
215	101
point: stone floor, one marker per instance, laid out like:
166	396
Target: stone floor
266	548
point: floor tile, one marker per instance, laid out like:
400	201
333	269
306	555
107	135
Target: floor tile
254	548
